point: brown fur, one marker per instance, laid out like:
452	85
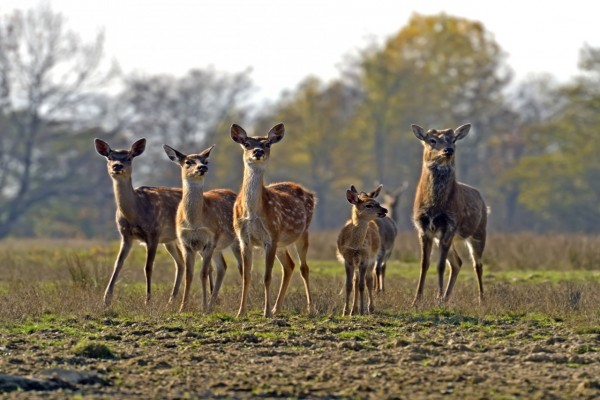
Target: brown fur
358	245
272	217
447	211
204	224
146	214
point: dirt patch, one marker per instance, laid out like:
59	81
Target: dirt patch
380	356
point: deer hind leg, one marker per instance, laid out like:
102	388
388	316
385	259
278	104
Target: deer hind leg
476	248
237	253
221	269
121	257
302	248
455	264
206	273
355	280
177	256
369	285
151	248
246	252
378	272
288	267
189	255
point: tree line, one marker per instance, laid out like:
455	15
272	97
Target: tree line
531	153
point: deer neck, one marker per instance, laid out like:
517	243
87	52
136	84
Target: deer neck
125	197
438	181
192	200
359	230
252	192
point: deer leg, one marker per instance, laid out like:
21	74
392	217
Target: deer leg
123	253
476	247
270	251
205	274
382	276
302	248
221	268
445	243
425	242
455	265
237	253
369	279
246	252
378	273
190	259
355	285
288	267
151	248
349	285
175	252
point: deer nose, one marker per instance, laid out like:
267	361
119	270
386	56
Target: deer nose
258	153
384	210
448	151
203	168
117	167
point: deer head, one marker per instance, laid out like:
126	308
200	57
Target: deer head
257	149
119	162
365	205
193	166
439	146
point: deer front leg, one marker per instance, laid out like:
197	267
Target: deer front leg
207	253
175	251
362	272
445	243
151	247
246	252
270	251
370	290
123	253
425	242
349	286
221	268
190	259
455	265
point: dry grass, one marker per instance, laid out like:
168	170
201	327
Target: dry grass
68	278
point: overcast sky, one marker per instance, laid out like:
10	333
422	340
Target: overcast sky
285	41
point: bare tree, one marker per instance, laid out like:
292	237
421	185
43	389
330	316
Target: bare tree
49	84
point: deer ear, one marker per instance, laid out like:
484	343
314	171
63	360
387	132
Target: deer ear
462	131
206	153
276	133
352	196
419	132
173	154
102	147
375	192
238	134
353	189
138	147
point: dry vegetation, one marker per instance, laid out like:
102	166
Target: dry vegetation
536	335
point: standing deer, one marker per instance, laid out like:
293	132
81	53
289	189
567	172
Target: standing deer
387	235
446	211
204	224
146	214
272	217
358	245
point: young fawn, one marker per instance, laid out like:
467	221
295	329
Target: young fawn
272	217
146	214
358	245
387	234
446	211
204	224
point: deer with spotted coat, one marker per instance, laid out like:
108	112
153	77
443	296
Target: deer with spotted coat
146	214
204	224
272	217
446	211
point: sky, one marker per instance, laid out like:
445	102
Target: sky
285	41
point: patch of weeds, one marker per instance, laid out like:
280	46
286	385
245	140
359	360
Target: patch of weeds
93	350
585	348
589	330
353	335
270	335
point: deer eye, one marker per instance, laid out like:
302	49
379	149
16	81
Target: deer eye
369	206
247	145
432	141
188	162
267	145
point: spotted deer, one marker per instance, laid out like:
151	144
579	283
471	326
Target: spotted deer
387	235
146	214
204	224
450	213
358	245
272	217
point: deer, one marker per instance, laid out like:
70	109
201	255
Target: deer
358	246
204	224
387	234
272	217
146	214
452	214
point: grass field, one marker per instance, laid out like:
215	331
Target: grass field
537	334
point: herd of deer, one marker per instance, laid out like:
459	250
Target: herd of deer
273	217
